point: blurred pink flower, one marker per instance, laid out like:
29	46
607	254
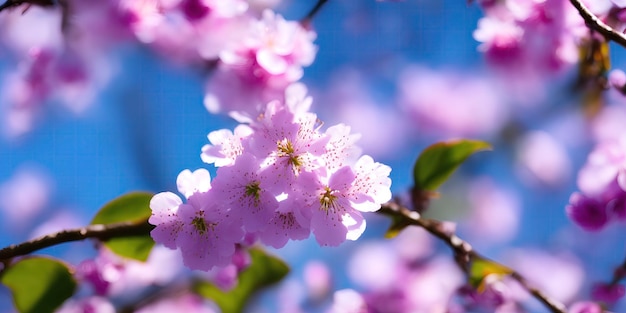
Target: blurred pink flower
25	195
543	158
450	104
317	279
93	304
188	303
348	301
559	275
495	213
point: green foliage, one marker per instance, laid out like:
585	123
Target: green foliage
133	207
38	285
437	162
480	268
397	225
265	270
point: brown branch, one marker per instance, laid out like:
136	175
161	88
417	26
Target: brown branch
463	252
98	231
14	3
596	24
619	273
307	19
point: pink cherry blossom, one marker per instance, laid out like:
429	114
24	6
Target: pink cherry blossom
268	59
290	146
533	37
605	163
348	301
191	303
328	207
208	235
585	307
225	146
93	304
24	195
283	226
165	207
243	189
449	104
189	182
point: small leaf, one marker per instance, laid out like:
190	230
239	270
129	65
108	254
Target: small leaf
481	268
265	270
38	285
131	207
437	162
397	225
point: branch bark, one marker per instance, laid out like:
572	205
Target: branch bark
307	19
463	251
98	231
596	24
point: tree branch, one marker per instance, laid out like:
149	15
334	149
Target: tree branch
596	24
14	3
99	231
463	251
307	19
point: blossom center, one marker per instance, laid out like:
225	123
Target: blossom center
328	200
286	149
253	190
201	225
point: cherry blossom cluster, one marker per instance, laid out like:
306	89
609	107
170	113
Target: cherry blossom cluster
531	35
258	54
279	177
602	184
255	52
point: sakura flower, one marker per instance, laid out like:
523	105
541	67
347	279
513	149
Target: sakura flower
165	207
225	146
608	293
268	59
587	212
372	184
605	163
207	235
328	207
585	307
291	146
451	103
112	275
92	304
348	301
184	303
619	3
202	228
283	226
189	182
24	195
534	37
340	149
243	188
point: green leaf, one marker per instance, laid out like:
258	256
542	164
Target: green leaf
481	268
397	225
437	162
131	207
38	285
265	270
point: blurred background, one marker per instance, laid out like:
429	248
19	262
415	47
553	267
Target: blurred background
404	74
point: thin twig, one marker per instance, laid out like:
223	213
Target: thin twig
13	3
99	231
307	19
463	251
619	273
596	24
